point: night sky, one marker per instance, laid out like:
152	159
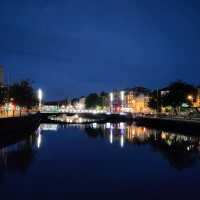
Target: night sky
74	47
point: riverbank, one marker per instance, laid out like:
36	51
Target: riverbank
23	124
169	124
99	118
9	126
166	124
15	129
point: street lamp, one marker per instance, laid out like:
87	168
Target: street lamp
111	101
122	95
111	97
40	96
190	97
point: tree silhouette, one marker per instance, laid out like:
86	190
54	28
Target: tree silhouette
178	94
23	94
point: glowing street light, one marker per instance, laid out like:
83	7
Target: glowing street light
111	101
122	95
190	97
111	135
111	97
122	141
40	96
39	137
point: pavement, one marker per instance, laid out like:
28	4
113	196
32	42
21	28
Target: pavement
11	114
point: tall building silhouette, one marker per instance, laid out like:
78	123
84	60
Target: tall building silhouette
1	74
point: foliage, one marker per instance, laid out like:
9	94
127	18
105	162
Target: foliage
103	99
94	100
178	94
3	94
74	101
155	101
23	94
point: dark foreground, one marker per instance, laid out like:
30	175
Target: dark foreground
109	157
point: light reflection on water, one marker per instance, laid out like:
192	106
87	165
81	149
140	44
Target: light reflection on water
130	133
182	147
180	151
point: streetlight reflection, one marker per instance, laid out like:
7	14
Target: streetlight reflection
111	135
39	138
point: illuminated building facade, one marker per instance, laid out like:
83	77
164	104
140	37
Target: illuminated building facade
81	103
134	100
197	102
116	101
137	103
198	98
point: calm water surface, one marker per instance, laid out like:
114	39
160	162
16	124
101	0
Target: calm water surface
108	157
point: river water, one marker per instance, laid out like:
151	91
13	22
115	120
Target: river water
57	159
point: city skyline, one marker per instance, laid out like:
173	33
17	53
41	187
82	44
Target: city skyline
99	96
92	46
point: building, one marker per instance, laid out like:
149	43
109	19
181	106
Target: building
81	103
117	101
1	75
197	100
198	97
137	104
137	100
131	100
163	92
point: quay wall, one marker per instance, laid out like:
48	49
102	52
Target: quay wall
23	124
16	129
176	125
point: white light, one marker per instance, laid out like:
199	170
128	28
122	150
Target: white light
111	136
39	138
94	112
40	94
122	141
39	141
94	125
111	97
108	125
80	120
122	125
122	95
49	127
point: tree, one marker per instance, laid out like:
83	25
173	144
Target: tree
155	101
103	102
23	94
92	101
178	95
3	94
74	101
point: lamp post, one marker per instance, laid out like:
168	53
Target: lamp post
111	101
191	99
122	95
40	96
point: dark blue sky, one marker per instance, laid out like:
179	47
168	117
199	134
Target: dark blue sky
73	47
